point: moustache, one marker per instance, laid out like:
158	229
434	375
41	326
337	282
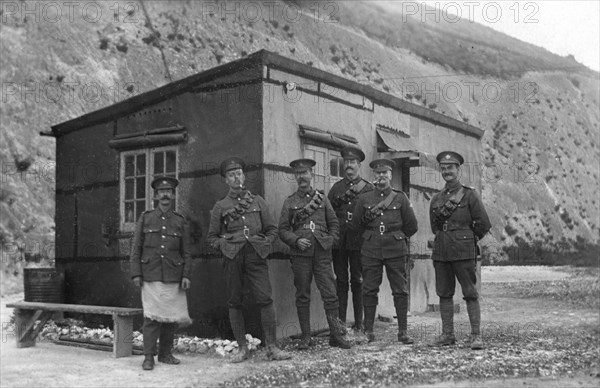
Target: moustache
165	197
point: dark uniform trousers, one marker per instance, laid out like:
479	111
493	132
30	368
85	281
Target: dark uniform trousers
320	227
395	269
385	244
455	251
245	242
347	252
164	332
446	273
342	259
247	264
319	266
160	252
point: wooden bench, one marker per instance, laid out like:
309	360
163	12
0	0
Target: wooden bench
27	313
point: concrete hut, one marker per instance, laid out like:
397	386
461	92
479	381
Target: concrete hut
264	108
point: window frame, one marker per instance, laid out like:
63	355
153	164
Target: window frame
149	174
324	172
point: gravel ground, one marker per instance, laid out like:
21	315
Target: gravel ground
532	339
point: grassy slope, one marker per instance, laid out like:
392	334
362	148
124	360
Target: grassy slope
543	145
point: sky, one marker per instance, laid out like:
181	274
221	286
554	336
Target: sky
562	27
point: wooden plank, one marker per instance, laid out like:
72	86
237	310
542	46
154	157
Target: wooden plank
22	320
123	339
25	332
76	308
94	345
44	318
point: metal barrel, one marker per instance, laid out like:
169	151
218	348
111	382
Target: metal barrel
44	285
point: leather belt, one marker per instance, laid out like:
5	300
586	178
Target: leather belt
384	229
245	232
344	215
445	227
312	226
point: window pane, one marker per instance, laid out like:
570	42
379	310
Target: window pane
139	208
159	158
129	212
129	165
141	165
334	167
170	169
129	188
320	159
140	187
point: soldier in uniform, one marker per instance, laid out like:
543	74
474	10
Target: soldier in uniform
343	196
242	228
161	265
309	226
387	220
458	220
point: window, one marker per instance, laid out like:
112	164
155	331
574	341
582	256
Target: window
329	168
138	169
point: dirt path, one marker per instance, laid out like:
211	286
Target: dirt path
504	315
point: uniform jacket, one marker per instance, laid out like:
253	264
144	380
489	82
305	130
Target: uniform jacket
326	224
349	239
161	247
387	234
228	235
456	238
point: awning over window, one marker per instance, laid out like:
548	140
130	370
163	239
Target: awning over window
150	138
318	135
393	145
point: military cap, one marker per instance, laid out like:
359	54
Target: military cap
232	163
379	165
450	157
164	182
353	153
301	165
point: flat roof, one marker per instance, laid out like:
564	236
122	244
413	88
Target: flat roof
259	58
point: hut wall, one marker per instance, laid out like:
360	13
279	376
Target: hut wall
283	114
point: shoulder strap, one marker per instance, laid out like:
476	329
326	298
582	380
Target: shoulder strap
239	209
378	209
387	201
309	208
350	194
448	208
458	196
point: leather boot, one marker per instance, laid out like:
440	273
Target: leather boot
269	323
447	313
343	301
336	330
304	320
357	301
168	359
148	363
238	325
370	322
165	344
401	304
241	355
474	312
151	332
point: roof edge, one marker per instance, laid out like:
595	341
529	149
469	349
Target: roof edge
264	58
